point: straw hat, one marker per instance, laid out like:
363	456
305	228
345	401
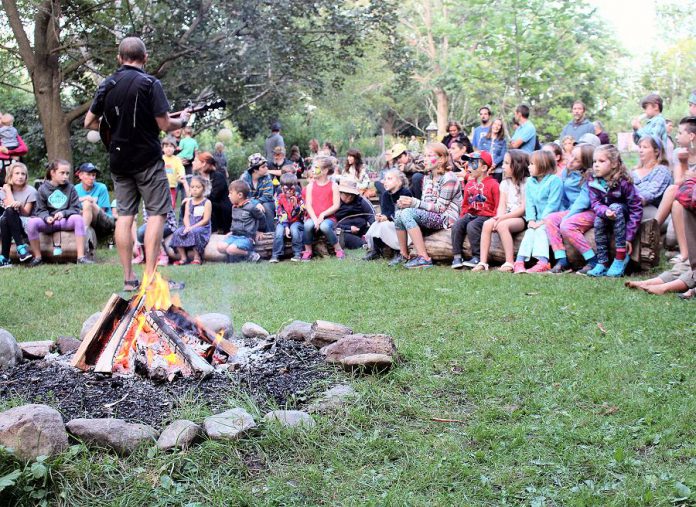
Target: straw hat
348	186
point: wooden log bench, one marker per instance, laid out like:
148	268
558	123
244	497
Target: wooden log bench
264	247
68	245
646	246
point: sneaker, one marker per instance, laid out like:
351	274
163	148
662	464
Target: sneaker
163	259
23	253
481	266
371	255
253	257
518	267
306	256
57	251
472	263
419	262
296	258
36	261
599	270
5	262
617	268
340	255
273	260
560	269
457	262
584	270
396	260
540	267
85	260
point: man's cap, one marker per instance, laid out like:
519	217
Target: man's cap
588	139
479	155
87	167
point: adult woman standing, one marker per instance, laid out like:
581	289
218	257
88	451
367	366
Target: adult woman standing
204	165
18	200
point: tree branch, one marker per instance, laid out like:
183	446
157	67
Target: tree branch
76	112
20	35
5	83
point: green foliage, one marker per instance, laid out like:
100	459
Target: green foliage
25	483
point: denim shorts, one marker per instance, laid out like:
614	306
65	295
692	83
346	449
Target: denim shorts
241	242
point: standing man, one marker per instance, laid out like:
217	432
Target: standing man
525	137
579	125
274	140
135	108
481	130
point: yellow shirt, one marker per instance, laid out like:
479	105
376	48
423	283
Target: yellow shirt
174	169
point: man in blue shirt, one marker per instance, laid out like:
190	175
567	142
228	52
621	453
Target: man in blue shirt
481	130
579	125
94	198
525	136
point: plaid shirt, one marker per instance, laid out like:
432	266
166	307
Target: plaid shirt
441	194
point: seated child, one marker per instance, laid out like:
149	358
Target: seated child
321	203
543	193
195	233
9	137
383	232
18	199
509	218
480	202
57	209
94	198
239	243
617	206
354	215
176	174
289	213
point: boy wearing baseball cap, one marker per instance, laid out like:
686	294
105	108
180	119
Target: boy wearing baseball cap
480	202
94	199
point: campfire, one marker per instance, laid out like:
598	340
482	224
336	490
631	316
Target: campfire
151	335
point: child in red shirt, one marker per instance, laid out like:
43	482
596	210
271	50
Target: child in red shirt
481	196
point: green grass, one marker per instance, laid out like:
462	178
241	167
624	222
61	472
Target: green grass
553	410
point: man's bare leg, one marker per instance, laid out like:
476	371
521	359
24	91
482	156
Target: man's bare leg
153	240
124	244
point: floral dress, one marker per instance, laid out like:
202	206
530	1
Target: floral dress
196	238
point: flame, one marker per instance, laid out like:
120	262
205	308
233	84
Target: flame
218	337
172	359
156	293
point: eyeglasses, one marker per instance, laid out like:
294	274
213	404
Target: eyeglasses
288	188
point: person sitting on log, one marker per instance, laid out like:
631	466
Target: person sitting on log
94	198
195	233
480	202
383	232
290	209
617	206
18	200
261	187
354	215
322	202
510	216
556	150
652	175
57	209
577	217
542	197
438	209
246	216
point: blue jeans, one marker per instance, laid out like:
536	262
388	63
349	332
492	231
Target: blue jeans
327	227
296	234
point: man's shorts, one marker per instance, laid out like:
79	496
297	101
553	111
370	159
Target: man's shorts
241	242
150	183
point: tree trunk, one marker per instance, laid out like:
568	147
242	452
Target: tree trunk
56	128
442	104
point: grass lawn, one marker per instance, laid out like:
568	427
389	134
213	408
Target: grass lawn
568	391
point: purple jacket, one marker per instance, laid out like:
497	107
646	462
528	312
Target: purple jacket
626	194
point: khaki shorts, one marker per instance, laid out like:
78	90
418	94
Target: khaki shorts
150	183
682	272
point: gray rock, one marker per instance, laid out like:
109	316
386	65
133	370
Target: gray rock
296	330
117	434
367	363
228	425
67	344
217	322
290	418
180	433
332	399
10	353
356	344
33	430
88	324
36	350
251	330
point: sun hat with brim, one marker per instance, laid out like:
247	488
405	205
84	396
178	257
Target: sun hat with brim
588	139
256	160
348	186
397	150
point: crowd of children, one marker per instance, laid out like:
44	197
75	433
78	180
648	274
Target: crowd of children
552	195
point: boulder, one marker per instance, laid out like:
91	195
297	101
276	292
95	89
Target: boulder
88	324
356	344
181	433
10	353
323	333
117	434
36	350
229	425
33	430
251	330
367	362
67	344
290	418
296	330
332	399
217	322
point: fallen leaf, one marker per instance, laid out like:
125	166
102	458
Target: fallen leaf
601	328
49	293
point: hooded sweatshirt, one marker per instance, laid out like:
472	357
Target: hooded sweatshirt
51	200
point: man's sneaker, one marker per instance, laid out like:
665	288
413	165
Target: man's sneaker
518	267
296	258
306	256
584	270
419	262
4	262
253	257
599	270
57	251
396	260
457	262
23	253
340	255
471	263
273	260
617	268
371	255
163	259
85	260
540	267
560	269
36	261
